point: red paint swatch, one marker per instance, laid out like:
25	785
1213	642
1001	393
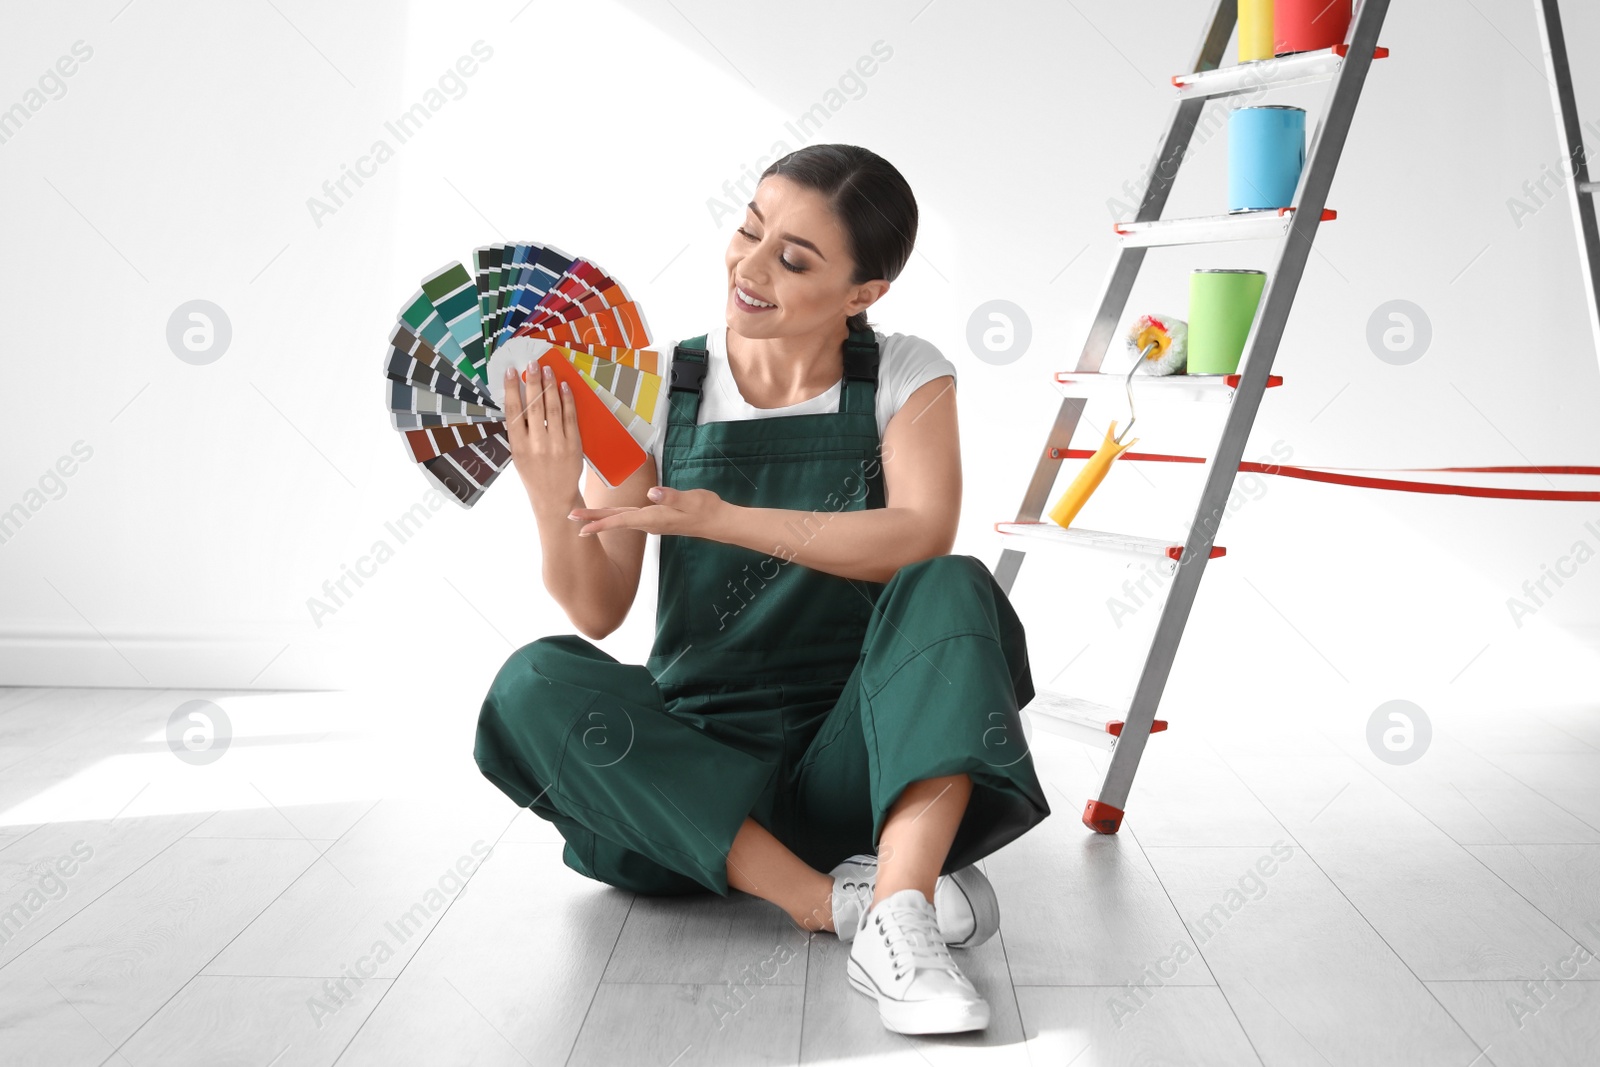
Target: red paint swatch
607	445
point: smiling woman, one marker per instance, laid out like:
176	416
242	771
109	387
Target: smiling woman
790	719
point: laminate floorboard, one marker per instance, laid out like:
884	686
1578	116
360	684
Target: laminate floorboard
344	887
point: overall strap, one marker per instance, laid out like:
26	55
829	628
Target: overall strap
860	373
687	374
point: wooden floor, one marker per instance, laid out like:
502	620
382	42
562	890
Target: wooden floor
320	894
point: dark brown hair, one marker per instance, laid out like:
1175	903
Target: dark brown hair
870	198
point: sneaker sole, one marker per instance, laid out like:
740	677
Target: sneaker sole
923	1016
979	894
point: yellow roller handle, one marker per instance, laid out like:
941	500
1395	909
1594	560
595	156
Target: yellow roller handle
1088	479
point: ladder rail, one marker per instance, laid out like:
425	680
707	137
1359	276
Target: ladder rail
1260	348
1182	119
1118	285
1580	191
1044	477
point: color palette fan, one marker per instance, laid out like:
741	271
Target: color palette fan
522	304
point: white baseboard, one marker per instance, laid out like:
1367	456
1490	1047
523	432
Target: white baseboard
268	658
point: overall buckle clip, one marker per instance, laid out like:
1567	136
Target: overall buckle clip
687	374
861	360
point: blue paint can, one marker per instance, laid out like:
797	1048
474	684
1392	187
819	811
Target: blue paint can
1266	151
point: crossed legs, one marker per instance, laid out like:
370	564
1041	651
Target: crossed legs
912	846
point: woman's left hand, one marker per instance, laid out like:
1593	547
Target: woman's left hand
687	512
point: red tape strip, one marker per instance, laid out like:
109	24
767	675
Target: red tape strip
1395	484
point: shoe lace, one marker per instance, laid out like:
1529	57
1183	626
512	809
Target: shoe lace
912	934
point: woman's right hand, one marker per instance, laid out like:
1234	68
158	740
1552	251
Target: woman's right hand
542	423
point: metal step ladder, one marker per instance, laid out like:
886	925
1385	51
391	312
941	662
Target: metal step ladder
1580	190
1124	732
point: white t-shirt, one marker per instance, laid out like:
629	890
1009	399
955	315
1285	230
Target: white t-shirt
905	364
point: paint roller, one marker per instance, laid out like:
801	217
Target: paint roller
1160	345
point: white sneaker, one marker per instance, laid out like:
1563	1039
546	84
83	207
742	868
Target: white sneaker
898	957
968	910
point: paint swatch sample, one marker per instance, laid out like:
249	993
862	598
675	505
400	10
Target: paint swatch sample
520	304
617	370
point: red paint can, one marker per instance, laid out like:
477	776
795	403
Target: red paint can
1307	25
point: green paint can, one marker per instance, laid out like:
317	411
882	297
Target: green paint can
1222	306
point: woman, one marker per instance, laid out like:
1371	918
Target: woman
826	680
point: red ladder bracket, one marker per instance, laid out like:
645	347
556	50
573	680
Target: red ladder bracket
1342	50
1114	727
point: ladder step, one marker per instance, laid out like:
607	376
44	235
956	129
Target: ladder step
1213	387
1082	720
1074	536
1209	229
1293	69
1082	734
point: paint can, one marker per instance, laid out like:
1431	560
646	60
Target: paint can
1266	151
1256	38
1307	25
1222	307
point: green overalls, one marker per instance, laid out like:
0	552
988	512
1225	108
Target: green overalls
802	699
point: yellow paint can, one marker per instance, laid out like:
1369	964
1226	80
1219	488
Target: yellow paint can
1255	30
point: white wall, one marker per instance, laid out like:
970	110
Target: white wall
179	162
